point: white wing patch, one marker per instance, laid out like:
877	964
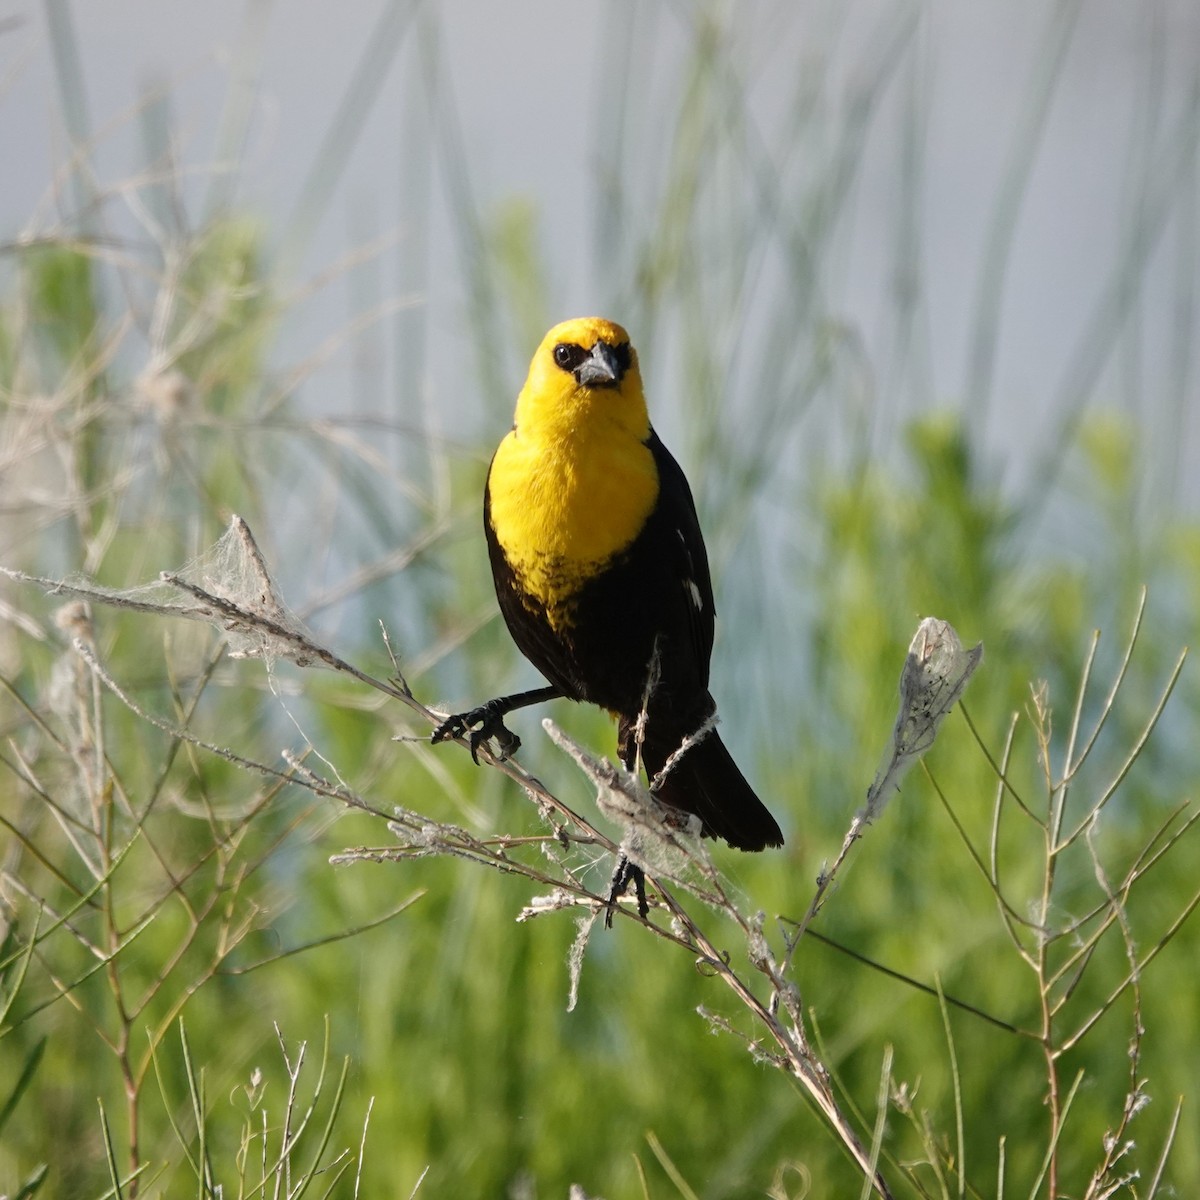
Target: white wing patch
692	590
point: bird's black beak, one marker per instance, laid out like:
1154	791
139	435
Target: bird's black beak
600	368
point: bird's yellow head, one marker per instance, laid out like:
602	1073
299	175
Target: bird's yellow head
584	378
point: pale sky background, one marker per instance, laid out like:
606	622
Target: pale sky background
526	79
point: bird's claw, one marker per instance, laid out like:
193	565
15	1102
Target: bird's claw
490	725
625	874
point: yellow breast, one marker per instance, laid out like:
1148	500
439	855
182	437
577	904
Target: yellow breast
563	507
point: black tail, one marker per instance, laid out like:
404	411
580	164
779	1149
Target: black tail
705	781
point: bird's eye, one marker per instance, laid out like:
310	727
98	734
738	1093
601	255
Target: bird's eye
569	356
622	356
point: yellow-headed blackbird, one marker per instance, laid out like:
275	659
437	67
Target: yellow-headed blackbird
600	568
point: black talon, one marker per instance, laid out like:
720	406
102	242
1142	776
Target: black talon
489	718
490	722
625	874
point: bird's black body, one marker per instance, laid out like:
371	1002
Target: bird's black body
654	596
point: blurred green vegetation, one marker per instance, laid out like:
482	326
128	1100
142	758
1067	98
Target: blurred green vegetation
171	917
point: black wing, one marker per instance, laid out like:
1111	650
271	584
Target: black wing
683	542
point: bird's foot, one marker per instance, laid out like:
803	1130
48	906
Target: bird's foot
486	721
625	874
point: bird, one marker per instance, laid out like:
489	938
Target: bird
602	577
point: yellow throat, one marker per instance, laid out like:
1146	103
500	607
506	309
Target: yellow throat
573	483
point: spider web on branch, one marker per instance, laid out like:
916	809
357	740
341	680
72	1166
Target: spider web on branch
936	672
236	591
229	586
